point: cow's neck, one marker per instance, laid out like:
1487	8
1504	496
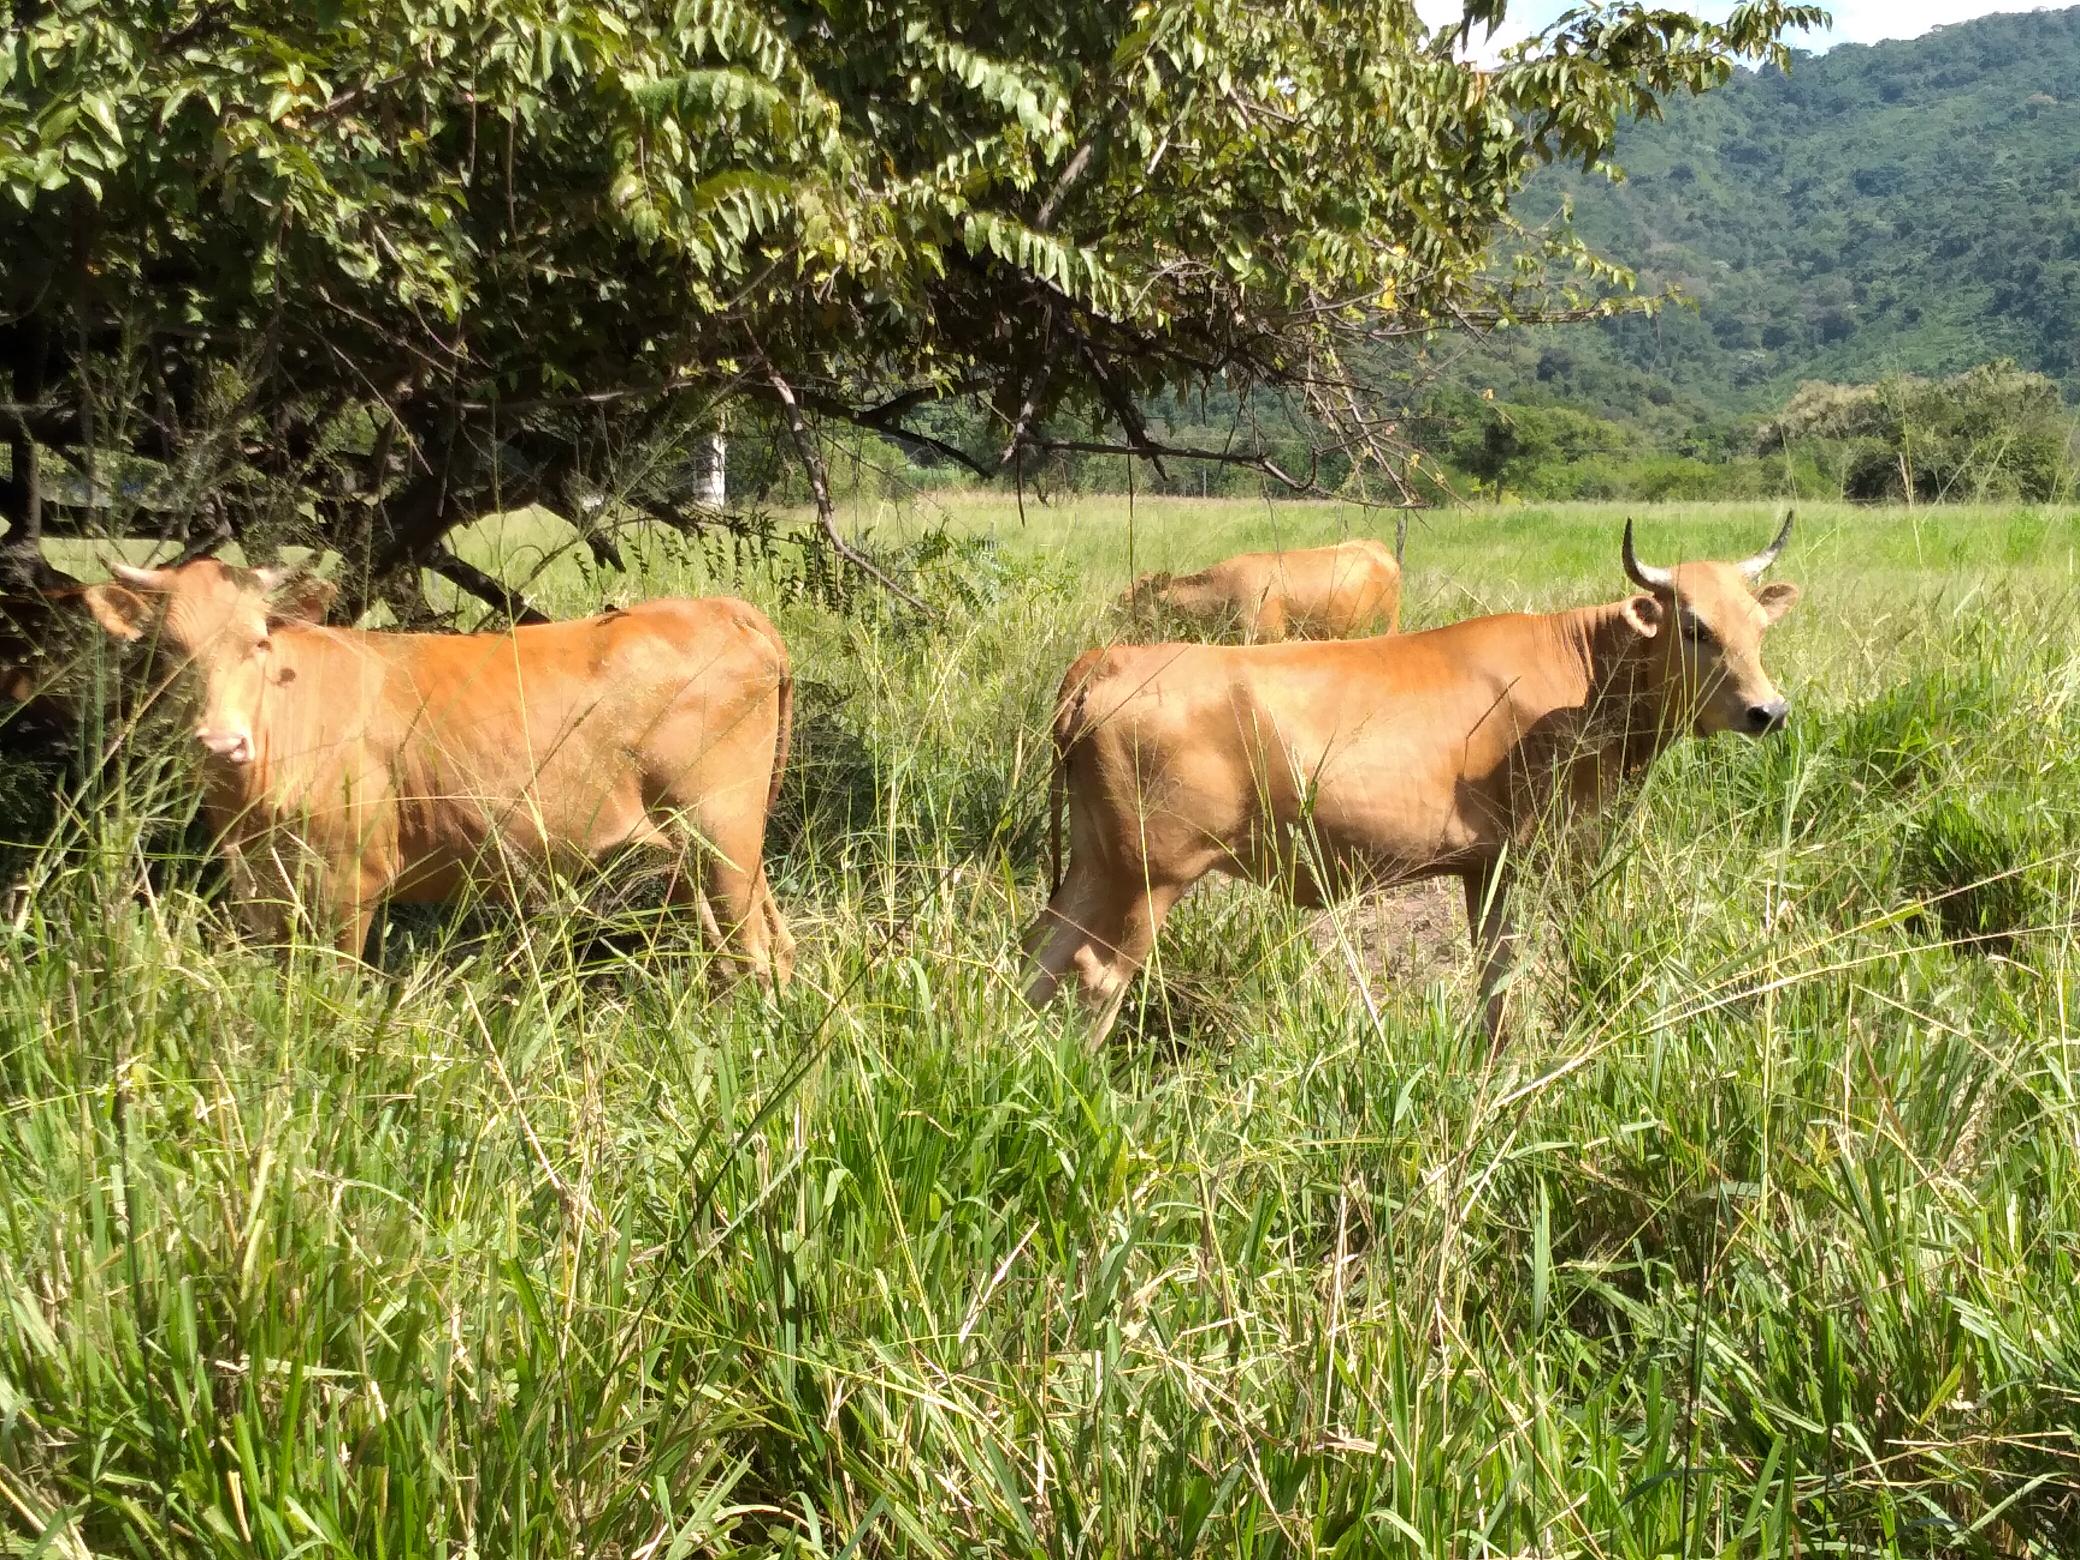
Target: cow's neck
233	793
1625	718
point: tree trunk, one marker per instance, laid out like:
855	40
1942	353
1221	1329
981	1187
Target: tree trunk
21	498
714	485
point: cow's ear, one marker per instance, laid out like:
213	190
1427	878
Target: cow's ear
1644	615
122	612
1777	599
305	599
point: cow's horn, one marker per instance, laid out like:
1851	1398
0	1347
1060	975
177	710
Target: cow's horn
1762	560
1644	574
272	577
143	579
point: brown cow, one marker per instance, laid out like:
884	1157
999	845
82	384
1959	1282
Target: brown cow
1322	768
363	767
1334	592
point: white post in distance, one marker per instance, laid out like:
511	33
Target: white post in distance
713	486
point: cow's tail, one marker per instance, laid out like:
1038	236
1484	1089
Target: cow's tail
1057	794
1068	731
784	737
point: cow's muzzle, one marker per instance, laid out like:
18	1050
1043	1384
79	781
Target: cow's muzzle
233	746
1765	718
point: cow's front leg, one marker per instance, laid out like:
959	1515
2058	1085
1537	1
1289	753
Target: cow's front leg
263	898
1495	940
1103	934
283	882
1119	940
350	906
1052	942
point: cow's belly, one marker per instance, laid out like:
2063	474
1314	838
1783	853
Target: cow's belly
1340	846
1368	847
465	838
1366	814
432	881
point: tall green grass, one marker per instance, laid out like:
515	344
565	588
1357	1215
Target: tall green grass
1764	1239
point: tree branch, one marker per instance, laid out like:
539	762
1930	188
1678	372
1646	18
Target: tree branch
1148	449
485	587
57	426
1122	404
820	490
882	420
1078	164
1035	385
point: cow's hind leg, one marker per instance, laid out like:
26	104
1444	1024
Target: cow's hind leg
779	941
738	918
719	873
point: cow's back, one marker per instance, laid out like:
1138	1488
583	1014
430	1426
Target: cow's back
432	748
1330	592
1349	588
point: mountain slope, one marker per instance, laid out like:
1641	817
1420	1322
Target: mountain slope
1911	205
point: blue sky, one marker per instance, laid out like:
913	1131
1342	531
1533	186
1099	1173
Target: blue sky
1855	21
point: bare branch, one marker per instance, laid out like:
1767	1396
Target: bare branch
1146	449
820	490
1079	163
883	420
485	587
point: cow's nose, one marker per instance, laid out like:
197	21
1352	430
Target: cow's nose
237	746
1768	717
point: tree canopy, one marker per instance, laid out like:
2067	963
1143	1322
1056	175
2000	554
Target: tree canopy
409	260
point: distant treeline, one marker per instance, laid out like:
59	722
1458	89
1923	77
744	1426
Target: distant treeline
1994	432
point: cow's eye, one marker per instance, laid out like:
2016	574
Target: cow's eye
1695	631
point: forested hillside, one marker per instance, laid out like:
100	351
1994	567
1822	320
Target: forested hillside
1908	206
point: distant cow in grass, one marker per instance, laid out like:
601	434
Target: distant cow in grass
1322	768
358	767
1334	592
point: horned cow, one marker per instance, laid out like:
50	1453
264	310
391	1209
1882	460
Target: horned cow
1321	768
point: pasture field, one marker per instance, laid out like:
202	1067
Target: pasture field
1762	1239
